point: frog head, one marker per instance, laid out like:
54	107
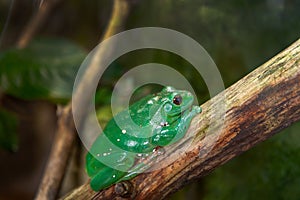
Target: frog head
175	101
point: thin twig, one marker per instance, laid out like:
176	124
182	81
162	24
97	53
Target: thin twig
36	21
257	106
60	153
65	134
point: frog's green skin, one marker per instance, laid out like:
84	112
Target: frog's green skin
160	120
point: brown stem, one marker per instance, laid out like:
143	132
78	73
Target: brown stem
61	149
258	106
36	21
119	14
65	135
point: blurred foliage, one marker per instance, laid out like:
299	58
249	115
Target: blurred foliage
238	34
102	97
130	60
46	69
8	129
104	114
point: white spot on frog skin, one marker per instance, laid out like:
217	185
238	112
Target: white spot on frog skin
123	131
118	140
131	143
114	176
110	149
104	154
150	102
156	98
169	89
164	124
98	154
139	154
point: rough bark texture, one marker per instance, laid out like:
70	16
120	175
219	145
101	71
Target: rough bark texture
258	106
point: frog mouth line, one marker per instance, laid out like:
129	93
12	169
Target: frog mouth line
188	107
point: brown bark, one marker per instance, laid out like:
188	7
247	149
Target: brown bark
35	22
259	105
62	146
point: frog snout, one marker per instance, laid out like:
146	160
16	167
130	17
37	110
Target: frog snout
188	96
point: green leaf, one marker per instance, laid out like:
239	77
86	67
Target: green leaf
8	129
46	69
102	97
269	171
104	114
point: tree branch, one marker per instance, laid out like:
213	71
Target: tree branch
65	134
36	21
258	106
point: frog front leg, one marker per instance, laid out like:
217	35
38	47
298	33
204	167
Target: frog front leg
185	122
174	132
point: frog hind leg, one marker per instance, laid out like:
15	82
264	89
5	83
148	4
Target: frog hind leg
93	166
105	178
101	175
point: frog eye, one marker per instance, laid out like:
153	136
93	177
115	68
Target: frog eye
177	99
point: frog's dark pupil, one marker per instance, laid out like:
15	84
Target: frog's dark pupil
177	99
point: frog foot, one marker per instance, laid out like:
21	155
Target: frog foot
196	109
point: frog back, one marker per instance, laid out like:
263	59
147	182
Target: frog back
132	128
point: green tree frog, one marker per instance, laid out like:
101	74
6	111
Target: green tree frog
154	121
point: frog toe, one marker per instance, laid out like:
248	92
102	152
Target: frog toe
197	109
